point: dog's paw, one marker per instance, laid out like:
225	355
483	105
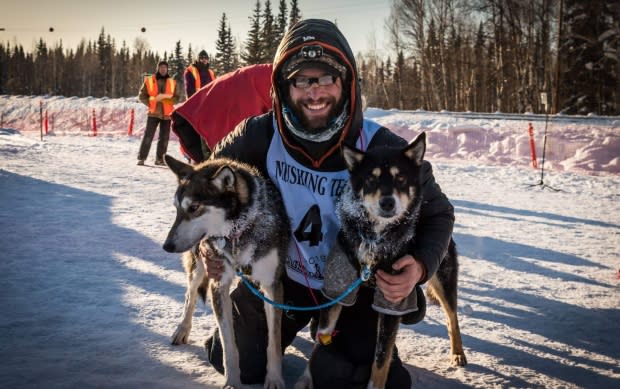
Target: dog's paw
181	335
274	383
459	360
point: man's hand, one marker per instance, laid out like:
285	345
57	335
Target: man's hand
396	287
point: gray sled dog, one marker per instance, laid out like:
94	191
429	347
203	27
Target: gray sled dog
225	208
378	212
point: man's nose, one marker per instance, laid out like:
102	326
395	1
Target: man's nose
314	89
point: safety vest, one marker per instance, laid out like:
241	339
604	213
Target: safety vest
192	69
153	90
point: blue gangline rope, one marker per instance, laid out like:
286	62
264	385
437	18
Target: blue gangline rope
285	307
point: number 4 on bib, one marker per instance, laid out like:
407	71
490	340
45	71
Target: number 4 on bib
309	229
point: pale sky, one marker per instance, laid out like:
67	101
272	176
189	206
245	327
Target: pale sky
166	22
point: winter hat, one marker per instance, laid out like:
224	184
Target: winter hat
313	56
203	54
162	63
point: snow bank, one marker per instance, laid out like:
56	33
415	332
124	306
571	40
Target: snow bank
582	144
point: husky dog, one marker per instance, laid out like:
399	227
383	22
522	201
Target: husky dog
226	209
378	212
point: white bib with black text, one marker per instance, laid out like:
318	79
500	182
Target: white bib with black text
309	197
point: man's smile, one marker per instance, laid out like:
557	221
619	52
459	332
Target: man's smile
316	106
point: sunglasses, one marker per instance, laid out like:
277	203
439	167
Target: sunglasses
302	82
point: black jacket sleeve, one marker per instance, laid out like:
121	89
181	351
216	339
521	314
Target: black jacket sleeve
190	84
188	137
248	142
436	222
434	228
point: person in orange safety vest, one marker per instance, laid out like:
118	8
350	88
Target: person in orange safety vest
198	74
159	93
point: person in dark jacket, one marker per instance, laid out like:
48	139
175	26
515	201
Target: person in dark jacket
159	93
198	74
317	109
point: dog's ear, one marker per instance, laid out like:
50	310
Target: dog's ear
181	169
224	178
416	149
352	156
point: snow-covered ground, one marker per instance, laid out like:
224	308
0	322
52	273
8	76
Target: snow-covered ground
89	298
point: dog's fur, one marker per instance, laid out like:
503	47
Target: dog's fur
378	212
226	209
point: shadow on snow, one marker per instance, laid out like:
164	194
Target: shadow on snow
66	321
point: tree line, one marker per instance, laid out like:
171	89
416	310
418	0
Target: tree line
455	55
499	55
100	68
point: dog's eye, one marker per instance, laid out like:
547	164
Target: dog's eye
400	179
193	208
371	184
401	182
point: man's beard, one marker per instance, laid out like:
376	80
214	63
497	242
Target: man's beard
319	129
316	124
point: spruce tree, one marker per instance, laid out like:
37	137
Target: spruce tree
41	67
269	34
98	84
253	53
4	60
479	73
177	65
589	56
89	63
295	14
399	79
224	61
281	21
123	72
56	62
190	54
234	54
102	85
109	68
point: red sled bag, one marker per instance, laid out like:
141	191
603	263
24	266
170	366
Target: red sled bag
217	108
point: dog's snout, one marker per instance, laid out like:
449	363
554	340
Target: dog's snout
169	247
387	203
